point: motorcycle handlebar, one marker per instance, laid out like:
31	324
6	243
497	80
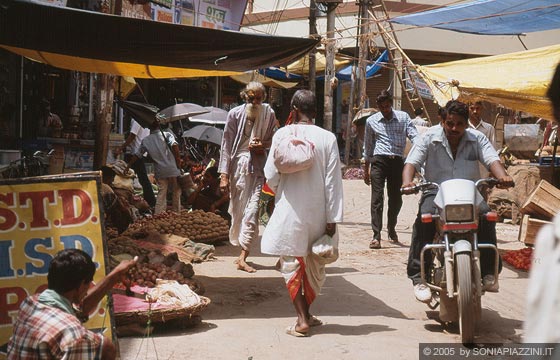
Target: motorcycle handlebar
487	181
420	187
490	182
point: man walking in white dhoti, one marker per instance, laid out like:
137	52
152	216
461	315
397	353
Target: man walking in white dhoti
308	205
247	135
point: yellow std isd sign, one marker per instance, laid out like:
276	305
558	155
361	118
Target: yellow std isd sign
39	217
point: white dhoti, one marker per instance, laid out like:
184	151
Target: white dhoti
245	192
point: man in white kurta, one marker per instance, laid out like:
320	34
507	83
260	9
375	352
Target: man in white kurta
309	204
306	200
248	132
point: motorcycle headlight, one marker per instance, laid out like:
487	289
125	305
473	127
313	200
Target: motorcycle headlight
459	212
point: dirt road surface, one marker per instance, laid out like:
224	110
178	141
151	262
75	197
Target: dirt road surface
367	303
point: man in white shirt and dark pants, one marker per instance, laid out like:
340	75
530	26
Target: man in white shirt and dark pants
129	148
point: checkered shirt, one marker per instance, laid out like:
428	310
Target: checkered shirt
45	332
387	137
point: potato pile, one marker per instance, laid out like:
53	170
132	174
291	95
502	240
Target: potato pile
197	225
125	245
111	232
152	264
145	274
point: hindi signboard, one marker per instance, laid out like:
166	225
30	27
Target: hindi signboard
39	217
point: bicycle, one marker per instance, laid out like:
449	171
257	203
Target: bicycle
35	165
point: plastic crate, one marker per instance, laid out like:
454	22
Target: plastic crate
547	161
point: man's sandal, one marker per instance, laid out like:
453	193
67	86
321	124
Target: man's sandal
314	321
291	330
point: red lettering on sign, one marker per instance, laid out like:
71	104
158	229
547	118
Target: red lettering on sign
68	206
5	307
9	217
37	206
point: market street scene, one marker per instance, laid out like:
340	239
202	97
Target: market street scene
219	179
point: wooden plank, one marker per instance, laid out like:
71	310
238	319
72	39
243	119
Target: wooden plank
529	229
543	203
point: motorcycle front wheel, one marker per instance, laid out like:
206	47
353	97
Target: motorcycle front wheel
465	299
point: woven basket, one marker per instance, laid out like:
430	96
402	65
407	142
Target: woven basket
160	315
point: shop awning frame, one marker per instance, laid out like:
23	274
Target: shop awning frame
94	42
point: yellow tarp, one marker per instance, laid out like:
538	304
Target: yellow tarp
247	77
517	80
301	66
115	68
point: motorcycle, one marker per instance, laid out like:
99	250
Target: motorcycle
455	275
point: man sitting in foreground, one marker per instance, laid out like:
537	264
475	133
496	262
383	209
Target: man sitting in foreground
47	326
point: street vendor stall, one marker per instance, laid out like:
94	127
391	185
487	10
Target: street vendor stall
162	288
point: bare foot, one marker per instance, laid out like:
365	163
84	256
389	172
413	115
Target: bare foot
243	266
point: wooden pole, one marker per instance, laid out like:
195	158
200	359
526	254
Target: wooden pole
329	67
105	89
358	76
364	50
312	34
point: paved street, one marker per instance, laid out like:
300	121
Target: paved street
367	303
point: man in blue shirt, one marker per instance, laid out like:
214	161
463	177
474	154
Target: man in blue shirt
385	140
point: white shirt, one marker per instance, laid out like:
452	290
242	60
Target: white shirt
140	133
487	130
433	152
306	200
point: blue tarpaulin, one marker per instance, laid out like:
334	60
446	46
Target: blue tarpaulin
490	17
344	74
276	73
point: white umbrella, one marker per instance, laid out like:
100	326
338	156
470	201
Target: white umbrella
205	133
180	111
214	116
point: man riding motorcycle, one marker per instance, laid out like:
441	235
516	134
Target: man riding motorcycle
450	151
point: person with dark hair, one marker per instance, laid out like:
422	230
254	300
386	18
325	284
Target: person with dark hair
553	94
419	120
48	325
247	135
476	122
385	141
164	151
208	196
50	124
116	210
450	151
309	204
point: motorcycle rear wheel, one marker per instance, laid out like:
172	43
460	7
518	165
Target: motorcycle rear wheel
465	299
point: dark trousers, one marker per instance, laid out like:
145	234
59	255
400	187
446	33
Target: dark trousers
423	233
385	168
140	170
